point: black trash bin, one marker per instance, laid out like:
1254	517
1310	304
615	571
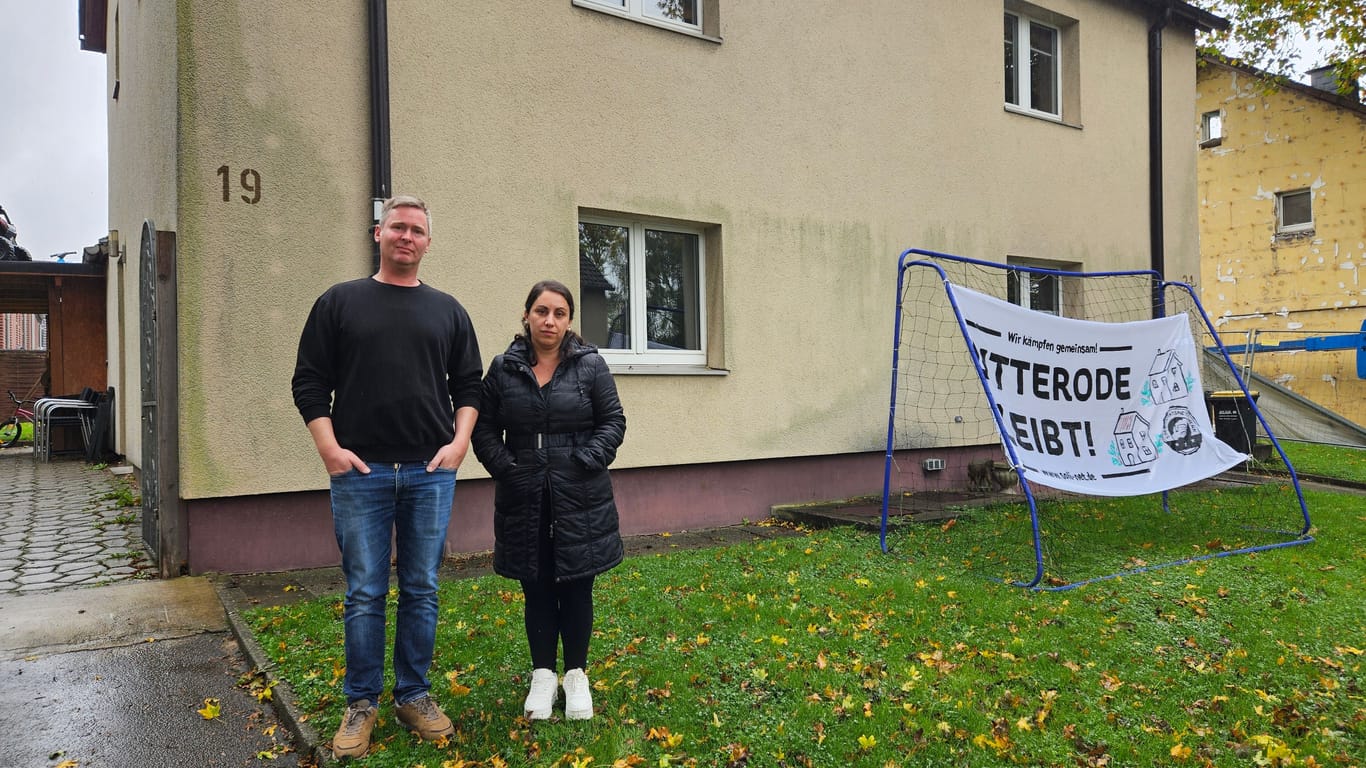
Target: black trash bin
1234	421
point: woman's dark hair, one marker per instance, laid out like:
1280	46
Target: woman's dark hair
554	286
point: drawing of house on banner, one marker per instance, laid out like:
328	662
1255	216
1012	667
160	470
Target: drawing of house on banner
1167	379
1133	439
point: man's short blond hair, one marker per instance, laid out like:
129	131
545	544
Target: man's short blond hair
404	201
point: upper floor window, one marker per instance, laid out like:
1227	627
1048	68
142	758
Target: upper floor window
1033	66
1294	212
1043	286
1034	290
642	294
681	13
1211	129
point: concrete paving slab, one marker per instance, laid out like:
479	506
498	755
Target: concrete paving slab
137	705
108	616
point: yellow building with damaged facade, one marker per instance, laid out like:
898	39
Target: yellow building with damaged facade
1282	186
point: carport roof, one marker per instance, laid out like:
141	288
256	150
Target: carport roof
24	284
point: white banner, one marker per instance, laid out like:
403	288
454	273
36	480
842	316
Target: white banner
1110	409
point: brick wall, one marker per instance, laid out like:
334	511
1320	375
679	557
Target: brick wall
19	370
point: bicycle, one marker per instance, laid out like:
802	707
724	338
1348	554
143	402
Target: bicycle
12	428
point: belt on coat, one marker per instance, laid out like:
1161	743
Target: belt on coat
518	441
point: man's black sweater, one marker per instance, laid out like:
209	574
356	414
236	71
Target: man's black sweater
390	365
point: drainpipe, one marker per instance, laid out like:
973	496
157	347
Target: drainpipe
380	169
1158	259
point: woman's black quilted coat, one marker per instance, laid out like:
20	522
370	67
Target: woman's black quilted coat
558	441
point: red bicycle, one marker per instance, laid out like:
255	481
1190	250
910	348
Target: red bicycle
13	427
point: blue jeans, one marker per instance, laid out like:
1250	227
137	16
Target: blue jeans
413	506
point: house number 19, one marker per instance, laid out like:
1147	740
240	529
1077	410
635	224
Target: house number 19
250	180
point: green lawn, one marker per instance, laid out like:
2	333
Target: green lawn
820	650
1319	460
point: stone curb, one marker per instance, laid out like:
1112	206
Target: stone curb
306	739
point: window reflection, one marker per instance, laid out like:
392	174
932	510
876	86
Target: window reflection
671	290
605	285
684	11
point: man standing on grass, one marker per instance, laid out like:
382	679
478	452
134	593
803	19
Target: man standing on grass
387	380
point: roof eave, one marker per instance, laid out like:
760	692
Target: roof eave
1330	97
1201	20
93	24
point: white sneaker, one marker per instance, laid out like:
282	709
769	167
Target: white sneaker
541	698
578	696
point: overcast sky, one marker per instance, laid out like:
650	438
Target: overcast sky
53	147
53	152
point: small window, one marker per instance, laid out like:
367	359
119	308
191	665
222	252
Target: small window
1294	212
1211	129
642	291
1037	290
680	13
1033	67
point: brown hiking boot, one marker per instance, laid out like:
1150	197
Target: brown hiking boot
423	717
353	735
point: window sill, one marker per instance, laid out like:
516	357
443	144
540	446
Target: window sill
1022	112
1207	143
662	369
1293	235
591	6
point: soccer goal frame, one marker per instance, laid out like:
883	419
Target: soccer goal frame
1156	306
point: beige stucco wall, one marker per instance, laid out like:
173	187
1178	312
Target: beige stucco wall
1285	287
247	86
279	90
820	144
141	54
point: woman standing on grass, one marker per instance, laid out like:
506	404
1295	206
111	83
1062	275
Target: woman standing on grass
549	425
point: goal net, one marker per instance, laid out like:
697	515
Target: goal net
1060	418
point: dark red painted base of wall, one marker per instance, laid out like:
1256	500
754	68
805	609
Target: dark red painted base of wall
285	531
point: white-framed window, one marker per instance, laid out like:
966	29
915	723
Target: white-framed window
1033	65
1039	291
642	290
1211	128
685	14
1294	212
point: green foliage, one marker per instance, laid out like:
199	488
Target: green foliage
819	650
1265	33
129	554
124	496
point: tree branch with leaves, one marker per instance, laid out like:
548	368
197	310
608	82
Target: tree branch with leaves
1267	34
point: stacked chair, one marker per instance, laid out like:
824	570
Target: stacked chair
52	412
